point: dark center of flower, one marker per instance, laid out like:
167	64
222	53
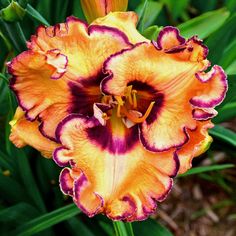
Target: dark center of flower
126	106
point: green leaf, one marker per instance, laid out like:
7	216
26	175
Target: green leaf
223	37
201	169
123	229
47	220
205	24
78	228
226	61
224	134
9	187
36	15
148	12
150	227
18	213
13	12
226	110
231	69
152	32
27	177
13	32
141	15
176	8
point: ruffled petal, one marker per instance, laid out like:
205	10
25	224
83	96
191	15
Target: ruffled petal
125	22
199	142
171	80
118	184
60	74
214	89
169	37
22	129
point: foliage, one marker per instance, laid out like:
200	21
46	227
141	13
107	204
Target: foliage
31	202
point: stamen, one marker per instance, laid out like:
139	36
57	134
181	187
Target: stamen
134	92
120	103
138	119
105	116
129	94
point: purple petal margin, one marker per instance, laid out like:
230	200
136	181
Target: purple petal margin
78	185
166	30
67	190
199	114
126	214
198	102
57	159
154	149
106	29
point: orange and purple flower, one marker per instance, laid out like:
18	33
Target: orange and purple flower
125	115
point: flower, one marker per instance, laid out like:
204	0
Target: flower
127	115
97	8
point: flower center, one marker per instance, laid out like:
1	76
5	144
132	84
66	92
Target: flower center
126	106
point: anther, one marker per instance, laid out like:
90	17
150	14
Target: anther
139	119
105	116
120	103
134	92
128	94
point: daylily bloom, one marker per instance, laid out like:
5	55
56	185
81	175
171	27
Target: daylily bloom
97	8
127	114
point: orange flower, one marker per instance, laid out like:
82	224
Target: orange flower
127	114
97	8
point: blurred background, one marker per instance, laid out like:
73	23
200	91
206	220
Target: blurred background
202	202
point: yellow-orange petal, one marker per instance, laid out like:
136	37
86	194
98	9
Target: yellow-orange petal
24	132
61	72
125	22
172	82
199	142
118	184
97	8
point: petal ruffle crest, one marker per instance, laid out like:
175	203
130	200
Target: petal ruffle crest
60	73
119	185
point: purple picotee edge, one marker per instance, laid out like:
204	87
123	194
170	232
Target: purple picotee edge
154	149
166	30
203	115
78	184
62	182
214	102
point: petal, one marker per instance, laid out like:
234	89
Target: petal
125	22
169	80
169	37
204	114
21	129
214	91
36	91
199	142
119	185
97	8
60	74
